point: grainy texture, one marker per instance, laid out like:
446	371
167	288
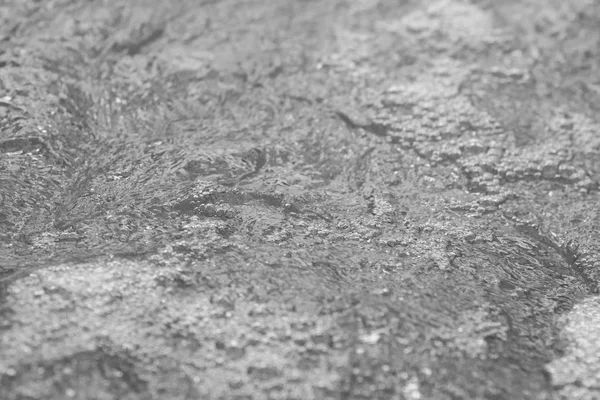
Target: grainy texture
372	199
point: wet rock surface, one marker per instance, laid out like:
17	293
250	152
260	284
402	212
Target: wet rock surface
299	200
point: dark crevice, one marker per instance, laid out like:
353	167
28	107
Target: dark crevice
567	251
133	48
377	129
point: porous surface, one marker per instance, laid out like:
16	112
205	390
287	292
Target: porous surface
366	199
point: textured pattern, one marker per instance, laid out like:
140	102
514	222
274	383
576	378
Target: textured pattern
372	199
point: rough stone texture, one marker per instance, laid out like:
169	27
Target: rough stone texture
372	199
577	374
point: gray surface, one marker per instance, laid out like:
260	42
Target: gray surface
299	200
